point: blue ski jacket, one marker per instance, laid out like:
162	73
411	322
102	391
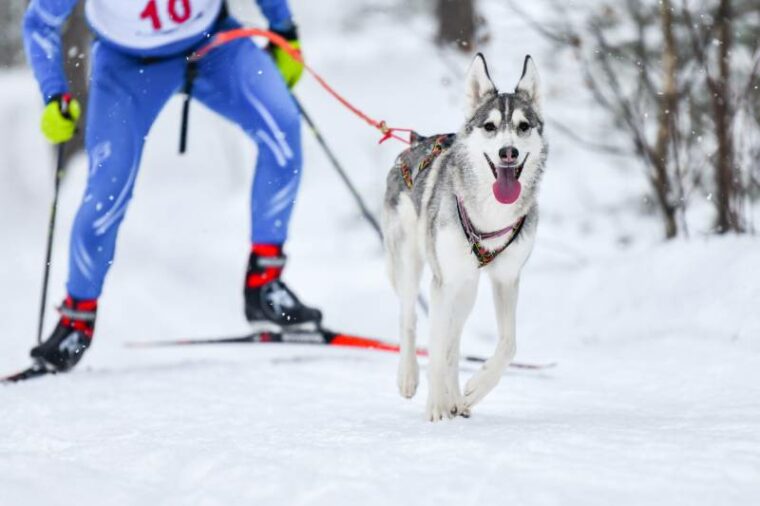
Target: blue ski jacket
44	19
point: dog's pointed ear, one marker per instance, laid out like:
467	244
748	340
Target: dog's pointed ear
528	84
479	84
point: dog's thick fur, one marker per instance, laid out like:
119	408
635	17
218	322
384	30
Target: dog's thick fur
421	224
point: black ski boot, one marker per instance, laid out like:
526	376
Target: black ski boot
71	337
269	304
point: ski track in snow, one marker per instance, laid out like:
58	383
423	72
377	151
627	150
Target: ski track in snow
656	398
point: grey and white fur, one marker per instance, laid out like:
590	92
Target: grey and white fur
421	224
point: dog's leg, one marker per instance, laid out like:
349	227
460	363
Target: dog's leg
405	271
505	301
408	283
463	304
451	303
438	405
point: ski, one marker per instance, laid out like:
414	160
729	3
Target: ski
36	370
313	337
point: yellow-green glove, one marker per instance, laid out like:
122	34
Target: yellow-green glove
59	119
290	69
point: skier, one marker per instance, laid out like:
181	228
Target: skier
139	59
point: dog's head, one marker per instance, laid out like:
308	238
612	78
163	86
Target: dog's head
504	132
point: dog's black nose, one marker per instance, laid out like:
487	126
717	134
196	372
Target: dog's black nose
509	154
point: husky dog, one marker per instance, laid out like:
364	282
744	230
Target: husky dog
466	204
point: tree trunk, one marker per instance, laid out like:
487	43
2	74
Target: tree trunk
668	110
725	173
76	44
456	23
11	15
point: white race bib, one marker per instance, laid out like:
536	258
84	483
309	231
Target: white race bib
147	24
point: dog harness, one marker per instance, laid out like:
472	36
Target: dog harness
421	156
484	255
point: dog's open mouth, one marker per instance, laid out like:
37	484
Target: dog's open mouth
506	188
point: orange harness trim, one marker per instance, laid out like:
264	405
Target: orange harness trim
222	38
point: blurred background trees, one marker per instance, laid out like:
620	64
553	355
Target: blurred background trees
76	40
679	80
456	23
11	49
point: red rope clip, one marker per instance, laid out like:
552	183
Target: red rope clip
388	133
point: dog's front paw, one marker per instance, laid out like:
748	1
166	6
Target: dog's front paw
475	389
440	406
436	412
479	385
460	407
408	377
484	380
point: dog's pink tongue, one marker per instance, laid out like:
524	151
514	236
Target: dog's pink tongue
506	188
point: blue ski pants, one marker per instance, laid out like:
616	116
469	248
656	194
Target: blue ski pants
238	81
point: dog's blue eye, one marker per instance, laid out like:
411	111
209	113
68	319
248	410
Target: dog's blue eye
489	127
523	126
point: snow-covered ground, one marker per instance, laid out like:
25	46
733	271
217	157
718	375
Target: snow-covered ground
656	398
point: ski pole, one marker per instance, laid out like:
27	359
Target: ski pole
191	72
51	226
349	184
341	172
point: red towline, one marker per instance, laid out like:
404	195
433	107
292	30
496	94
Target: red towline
222	38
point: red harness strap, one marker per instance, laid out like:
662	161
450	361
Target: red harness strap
222	38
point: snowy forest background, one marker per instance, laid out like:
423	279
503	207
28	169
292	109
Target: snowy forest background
643	286
677	81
